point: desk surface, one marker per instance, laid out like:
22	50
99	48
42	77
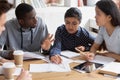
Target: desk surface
73	75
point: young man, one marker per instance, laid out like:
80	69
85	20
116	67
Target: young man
27	32
4	7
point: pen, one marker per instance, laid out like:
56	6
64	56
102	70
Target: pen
81	52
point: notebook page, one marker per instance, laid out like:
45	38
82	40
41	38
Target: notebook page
102	59
69	54
49	67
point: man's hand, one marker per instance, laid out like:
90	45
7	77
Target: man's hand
47	42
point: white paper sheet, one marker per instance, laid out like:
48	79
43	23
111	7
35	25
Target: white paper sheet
79	61
102	59
117	78
112	67
69	54
50	67
64	59
31	55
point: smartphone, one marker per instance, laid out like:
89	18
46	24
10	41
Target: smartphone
87	67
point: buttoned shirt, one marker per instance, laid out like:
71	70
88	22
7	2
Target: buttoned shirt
67	41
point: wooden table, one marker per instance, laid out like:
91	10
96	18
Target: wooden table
73	75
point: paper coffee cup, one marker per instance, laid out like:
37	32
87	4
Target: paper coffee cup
18	57
8	70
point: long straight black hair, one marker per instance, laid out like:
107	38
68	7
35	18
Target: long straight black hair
110	8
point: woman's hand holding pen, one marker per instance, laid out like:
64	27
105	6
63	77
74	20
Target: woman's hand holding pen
88	55
56	59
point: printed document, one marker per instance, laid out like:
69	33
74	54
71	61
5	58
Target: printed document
50	67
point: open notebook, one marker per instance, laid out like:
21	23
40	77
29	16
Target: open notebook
50	67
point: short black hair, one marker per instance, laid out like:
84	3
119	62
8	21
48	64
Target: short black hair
22	9
73	12
4	6
110	8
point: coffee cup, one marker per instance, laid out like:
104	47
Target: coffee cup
18	57
8	70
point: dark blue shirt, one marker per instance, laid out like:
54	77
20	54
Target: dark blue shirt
67	41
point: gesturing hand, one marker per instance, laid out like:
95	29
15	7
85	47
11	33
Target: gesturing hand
47	42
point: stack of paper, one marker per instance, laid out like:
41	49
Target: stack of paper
112	68
49	67
69	54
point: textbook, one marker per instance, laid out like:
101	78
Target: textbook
112	68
